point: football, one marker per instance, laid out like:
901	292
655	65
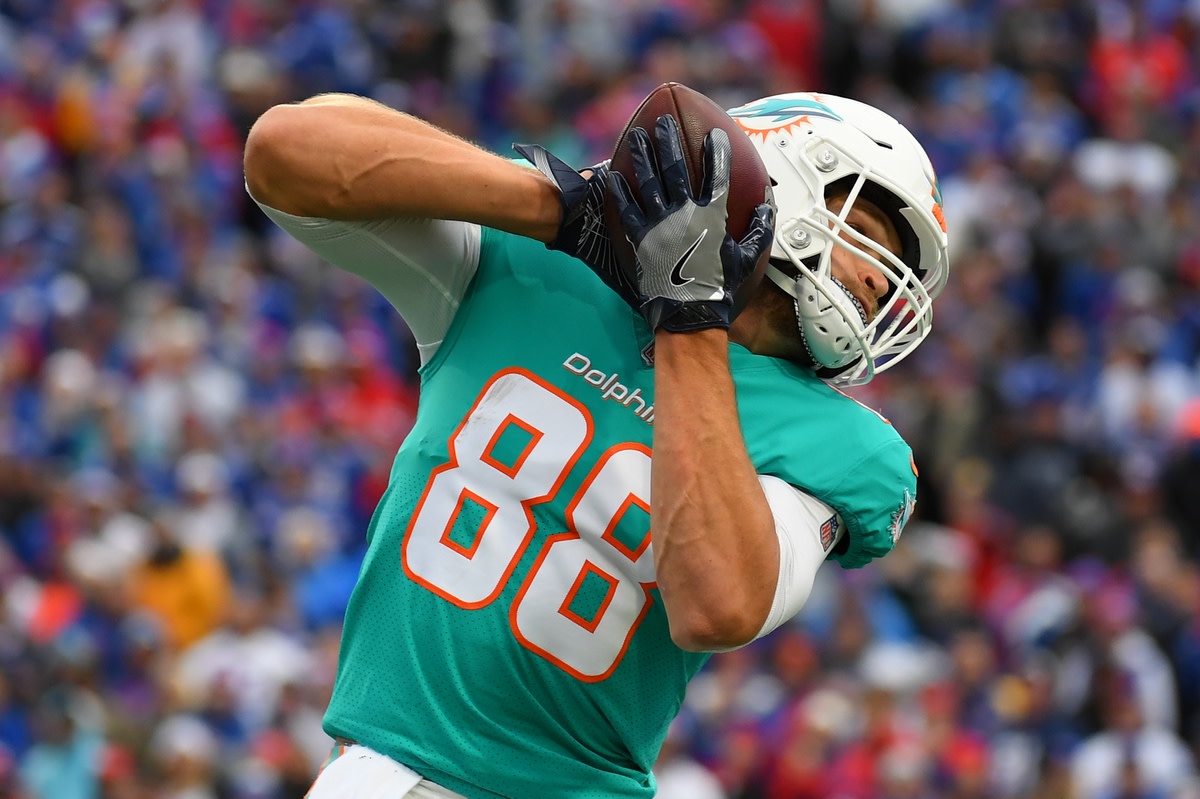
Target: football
696	115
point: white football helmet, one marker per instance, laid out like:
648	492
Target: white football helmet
808	142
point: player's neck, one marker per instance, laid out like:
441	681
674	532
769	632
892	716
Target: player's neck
767	326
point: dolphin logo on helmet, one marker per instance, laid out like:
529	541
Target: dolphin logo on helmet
772	111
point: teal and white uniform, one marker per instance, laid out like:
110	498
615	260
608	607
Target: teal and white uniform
506	638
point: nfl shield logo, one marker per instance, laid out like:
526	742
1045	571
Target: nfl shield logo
829	531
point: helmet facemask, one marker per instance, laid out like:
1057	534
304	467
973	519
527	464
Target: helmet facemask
844	346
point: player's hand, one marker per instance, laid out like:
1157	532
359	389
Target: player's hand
688	265
582	232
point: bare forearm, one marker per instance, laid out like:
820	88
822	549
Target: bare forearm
345	157
716	552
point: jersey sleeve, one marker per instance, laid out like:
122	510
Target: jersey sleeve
830	446
421	266
879	497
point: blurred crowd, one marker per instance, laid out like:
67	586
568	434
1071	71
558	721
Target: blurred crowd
197	415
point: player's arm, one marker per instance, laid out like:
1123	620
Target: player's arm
345	157
715	545
736	553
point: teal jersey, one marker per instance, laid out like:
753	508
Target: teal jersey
506	637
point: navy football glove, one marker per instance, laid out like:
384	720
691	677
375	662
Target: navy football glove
688	265
582	232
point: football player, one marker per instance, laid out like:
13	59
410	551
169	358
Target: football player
602	488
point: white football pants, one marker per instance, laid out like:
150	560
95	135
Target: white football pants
356	772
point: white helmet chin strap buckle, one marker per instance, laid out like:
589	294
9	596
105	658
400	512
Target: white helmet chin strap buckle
823	314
